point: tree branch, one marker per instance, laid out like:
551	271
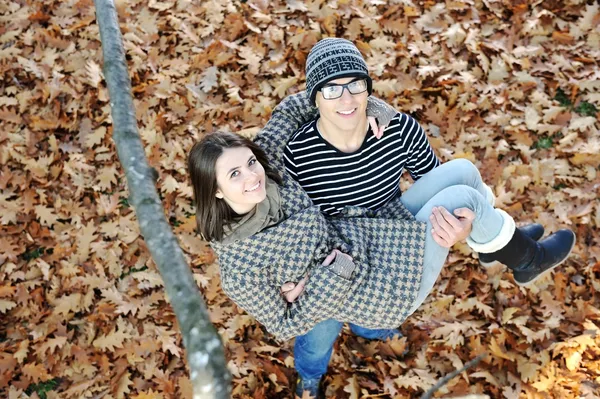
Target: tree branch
206	358
448	377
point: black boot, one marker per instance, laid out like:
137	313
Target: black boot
535	231
529	259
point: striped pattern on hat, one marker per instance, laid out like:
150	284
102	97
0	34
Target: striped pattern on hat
333	58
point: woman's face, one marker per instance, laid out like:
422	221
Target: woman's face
240	179
345	112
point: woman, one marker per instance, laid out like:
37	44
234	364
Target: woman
266	232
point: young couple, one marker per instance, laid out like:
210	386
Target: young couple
311	229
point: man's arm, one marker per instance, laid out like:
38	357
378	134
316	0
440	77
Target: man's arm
421	158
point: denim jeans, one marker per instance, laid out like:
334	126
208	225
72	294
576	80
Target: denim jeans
313	350
455	184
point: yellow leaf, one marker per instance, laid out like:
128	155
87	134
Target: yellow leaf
123	386
508	313
67	303
282	85
106	178
93	73
573	360
6	305
45	215
498	352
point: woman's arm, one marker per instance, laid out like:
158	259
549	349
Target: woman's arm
296	110
254	292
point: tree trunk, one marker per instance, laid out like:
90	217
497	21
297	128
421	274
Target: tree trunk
206	358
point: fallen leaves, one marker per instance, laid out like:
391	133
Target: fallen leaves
513	87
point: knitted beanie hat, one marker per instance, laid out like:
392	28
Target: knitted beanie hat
333	58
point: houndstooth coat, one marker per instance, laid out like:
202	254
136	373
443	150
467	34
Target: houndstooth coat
387	246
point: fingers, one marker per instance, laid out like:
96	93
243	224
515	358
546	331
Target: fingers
448	218
329	258
377	132
439	240
287	287
465	213
292	291
441	226
292	295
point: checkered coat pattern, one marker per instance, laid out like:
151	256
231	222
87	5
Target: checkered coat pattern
387	245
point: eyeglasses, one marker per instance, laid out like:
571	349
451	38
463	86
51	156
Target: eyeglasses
335	91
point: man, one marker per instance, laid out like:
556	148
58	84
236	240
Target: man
340	163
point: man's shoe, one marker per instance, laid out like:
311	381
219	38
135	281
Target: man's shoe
530	260
311	385
535	231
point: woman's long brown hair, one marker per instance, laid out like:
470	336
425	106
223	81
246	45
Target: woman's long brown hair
212	213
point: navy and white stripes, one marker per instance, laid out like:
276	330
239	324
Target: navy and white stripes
368	177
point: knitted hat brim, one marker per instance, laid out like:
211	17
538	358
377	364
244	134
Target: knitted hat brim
342	76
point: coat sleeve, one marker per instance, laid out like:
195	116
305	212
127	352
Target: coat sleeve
323	294
254	269
287	117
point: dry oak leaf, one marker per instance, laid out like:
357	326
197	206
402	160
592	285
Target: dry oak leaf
6	305
67	303
45	215
51	345
114	339
7	362
148	395
35	372
209	79
123	386
93	73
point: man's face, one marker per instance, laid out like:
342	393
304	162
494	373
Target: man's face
345	112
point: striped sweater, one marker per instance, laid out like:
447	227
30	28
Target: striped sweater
368	177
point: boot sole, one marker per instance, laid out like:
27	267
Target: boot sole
530	282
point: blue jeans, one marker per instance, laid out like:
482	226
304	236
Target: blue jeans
455	184
313	350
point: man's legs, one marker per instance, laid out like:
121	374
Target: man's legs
380	333
312	352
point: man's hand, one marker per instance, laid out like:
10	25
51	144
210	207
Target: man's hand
448	230
377	130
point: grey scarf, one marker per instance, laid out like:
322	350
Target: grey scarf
265	214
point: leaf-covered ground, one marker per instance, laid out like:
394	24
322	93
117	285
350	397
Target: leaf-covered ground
512	86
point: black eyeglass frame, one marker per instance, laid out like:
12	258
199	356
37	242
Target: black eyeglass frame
344	87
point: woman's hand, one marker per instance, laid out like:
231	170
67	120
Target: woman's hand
377	130
448	230
332	256
292	291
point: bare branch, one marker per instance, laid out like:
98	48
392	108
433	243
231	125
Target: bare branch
205	353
